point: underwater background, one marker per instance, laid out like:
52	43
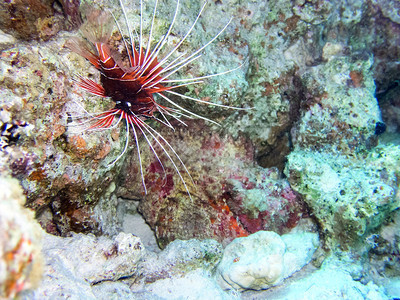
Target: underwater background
293	196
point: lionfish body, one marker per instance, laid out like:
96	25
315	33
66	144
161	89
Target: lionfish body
126	86
132	85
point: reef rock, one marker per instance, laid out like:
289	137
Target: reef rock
38	19
74	263
21	262
264	259
231	197
180	257
349	196
262	200
382	265
340	109
97	259
168	208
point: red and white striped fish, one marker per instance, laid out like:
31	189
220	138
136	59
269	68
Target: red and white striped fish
133	87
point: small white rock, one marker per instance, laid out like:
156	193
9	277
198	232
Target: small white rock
264	259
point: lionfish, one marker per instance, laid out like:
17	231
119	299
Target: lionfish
133	86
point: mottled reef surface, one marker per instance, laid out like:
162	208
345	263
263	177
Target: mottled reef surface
306	177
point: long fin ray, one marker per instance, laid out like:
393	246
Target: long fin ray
150	130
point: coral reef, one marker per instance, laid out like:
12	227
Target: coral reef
324	104
26	20
320	81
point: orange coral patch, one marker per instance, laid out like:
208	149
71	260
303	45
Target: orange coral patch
357	78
